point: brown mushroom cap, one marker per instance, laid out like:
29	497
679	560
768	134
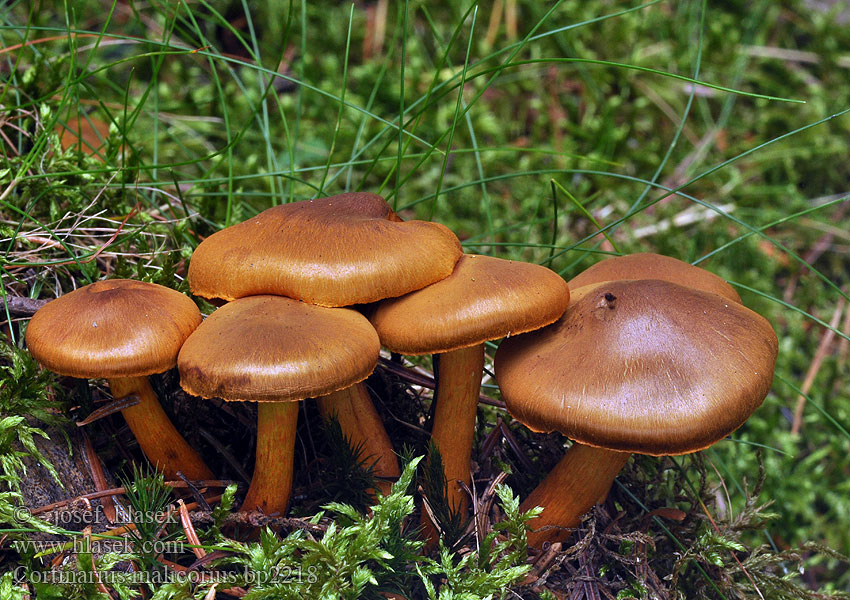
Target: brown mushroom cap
647	265
88	132
642	366
337	251
112	328
271	348
484	299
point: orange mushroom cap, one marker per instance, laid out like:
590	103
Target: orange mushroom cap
112	328
642	366
337	251
272	348
87	132
484	299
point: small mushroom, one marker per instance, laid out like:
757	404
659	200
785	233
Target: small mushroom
484	299
86	132
123	330
276	351
643	366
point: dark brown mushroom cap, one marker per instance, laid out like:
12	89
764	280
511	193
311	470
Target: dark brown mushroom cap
642	366
112	328
271	348
336	251
484	299
647	265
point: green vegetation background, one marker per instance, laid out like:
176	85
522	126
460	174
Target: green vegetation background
575	117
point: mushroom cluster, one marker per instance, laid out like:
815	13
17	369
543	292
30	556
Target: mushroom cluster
353	249
327	253
641	353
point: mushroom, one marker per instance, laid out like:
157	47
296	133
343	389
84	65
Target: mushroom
336	251
86	132
123	330
643	366
646	265
484	299
275	351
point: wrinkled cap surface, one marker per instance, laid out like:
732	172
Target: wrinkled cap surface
337	251
271	348
643	366
112	328
484	299
654	266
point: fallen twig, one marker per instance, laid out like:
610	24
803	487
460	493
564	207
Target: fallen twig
19	306
814	368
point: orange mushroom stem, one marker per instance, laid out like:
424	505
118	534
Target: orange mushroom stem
271	485
579	480
453	428
361	424
158	439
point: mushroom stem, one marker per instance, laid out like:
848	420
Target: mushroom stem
271	483
160	441
361	424
458	386
570	490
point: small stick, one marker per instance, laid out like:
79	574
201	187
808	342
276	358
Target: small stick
196	493
99	478
512	442
482	506
225	453
20	306
259	519
427	381
124	529
814	368
490	441
113	407
121	490
189	530
542	562
100	586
